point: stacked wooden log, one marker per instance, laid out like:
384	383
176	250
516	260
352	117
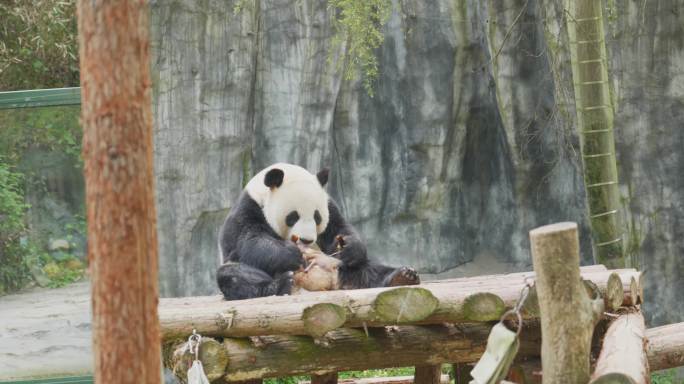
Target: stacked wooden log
437	322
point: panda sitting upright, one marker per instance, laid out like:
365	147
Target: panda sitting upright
284	202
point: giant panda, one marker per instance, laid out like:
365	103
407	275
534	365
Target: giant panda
282	204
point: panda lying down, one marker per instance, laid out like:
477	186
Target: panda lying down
283	212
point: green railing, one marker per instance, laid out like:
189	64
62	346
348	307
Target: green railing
64	380
40	98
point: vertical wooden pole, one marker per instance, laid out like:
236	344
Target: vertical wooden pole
462	373
568	315
428	374
117	151
328	378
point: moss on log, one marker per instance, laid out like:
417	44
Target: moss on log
352	349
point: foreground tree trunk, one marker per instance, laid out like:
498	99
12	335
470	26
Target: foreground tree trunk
568	315
117	151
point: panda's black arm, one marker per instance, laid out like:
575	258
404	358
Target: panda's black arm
269	254
354	252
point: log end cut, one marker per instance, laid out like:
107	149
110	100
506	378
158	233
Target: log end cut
319	319
404	305
483	306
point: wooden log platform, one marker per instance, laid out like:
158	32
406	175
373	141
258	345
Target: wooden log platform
483	298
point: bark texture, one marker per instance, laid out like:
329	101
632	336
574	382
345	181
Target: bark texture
568	315
428	374
623	354
117	151
665	346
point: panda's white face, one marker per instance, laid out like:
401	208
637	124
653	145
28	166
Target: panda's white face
293	201
297	209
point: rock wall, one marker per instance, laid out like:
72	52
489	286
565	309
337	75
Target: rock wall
468	143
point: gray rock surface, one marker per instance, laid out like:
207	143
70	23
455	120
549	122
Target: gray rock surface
468	143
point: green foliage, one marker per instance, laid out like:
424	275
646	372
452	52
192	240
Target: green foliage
38	44
12	205
13	269
665	377
54	128
359	23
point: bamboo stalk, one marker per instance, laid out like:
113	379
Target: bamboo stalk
594	108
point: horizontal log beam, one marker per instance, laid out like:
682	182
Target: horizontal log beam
345	349
665	346
316	313
623	355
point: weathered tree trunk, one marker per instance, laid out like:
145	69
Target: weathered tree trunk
117	151
568	315
595	123
665	346
623	354
316	313
428	374
345	349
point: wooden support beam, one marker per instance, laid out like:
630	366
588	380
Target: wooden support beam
568	315
623	355
665	346
428	374
116	115
239	359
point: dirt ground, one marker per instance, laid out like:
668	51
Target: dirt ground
46	332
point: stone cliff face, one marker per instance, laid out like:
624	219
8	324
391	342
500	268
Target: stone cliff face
468	143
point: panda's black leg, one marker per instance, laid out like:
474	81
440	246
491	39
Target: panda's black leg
239	281
371	275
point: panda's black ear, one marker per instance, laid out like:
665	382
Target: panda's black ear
274	178
322	176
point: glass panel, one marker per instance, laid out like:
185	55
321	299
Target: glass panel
44	298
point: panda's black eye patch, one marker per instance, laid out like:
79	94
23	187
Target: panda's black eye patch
291	218
317	217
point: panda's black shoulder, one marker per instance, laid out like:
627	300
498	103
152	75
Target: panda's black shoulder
246	211
245	219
